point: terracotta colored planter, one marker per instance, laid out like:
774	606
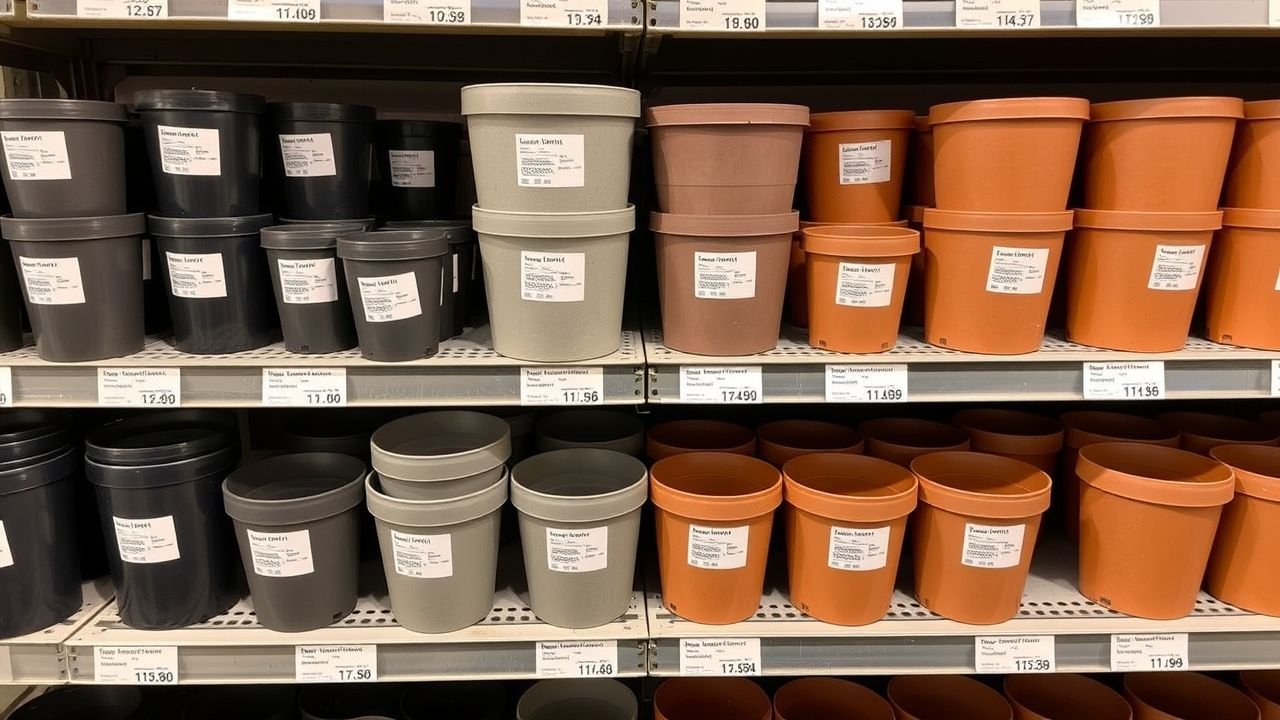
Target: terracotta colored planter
1242	566
1201	432
1241	289
1148	515
854	163
913	312
783	440
707	698
974	533
700	164
1263	687
945	697
721	280
846	521
901	440
820	698
714	512
1133	278
1252	179
797	271
857	285
1186	696
1031	438
686	436
989	277
1008	155
922	163
1127	160
1064	697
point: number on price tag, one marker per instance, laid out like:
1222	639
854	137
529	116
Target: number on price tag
721	385
1013	654
336	663
1010	14
1124	380
580	659
707	656
304	387
564	13
1149	653
859	14
561	386
123	9
6	666
135	665
427	12
1117	13
6	387
139	387
866	383
274	10
723	15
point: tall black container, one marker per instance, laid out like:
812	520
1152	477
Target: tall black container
324	152
418	168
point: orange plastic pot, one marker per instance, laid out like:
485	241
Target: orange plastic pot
854	163
827	699
1006	155
1242	285
857	285
1201	432
988	278
922	163
901	440
1242	568
945	697
797	270
1186	696
707	698
1252	177
913	312
974	532
1263	687
1064	697
1128	164
1148	516
726	159
714	512
1024	436
846	522
686	436
784	440
1133	277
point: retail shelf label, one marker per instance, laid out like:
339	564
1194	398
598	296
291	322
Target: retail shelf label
6	387
1156	652
335	663
426	12
577	659
564	13
720	656
139	387
1275	373
6	666
727	385
274	10
723	15
562	386
304	387
1011	14
1117	13
1275	13
135	665
1014	654
859	14
123	9
1124	380
866	383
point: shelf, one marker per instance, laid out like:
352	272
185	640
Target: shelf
38	658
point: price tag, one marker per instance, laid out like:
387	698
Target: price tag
6	387
722	15
564	13
1012	654
123	9
1275	372
866	383
1124	380
721	385
427	12
335	663
1275	13
1118	13
582	659
274	10
304	387
561	386
859	14
6	666
135	665
139	387
1011	14
1149	653
707	656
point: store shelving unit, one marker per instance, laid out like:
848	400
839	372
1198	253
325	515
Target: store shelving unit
40	658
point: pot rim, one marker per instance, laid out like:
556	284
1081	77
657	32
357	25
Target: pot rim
1018	108
430	467
1014	431
896	431
744	114
550	99
1204	106
1262	110
553	226
434	513
862	120
344	476
805	224
724	225
854	241
1212	426
1086	427
935	470
1115	467
848	693
1042	222
666	435
1251	218
1090	692
914	686
782	433
102	227
1149	221
55	109
1257	468
761	485
628	493
877	490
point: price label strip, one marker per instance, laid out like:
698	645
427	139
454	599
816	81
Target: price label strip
564	13
579	659
1275	373
427	12
727	385
1003	14
335	663
274	10
720	657
6	666
123	9
866	383
1117	13
135	665
859	14
562	386
1124	380
723	15
1157	652
1274	17
1014	654
6	387
304	387
139	387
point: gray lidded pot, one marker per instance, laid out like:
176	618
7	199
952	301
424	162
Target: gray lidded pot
310	289
297	523
81	282
440	556
63	158
393	278
440	455
578	700
579	525
455	301
555	281
600	429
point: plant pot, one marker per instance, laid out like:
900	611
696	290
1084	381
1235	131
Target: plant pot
1263	687
1201	432
974	533
522	423
945	697
826	698
369	701
598	429
1127	164
1133	278
440	455
418	167
1251	179
989	278
699	165
325	153
454	700
854	163
98	702
783	440
913	309
857	282
369	224
1185	696
309	285
846	522
1033	439
458	274
555	281
721	280
901	440
246	702
921	157
1240	568
1007	155
797	269
397	276
703	698
578	700
1148	516
1240	284
685	436
714	513
1064	696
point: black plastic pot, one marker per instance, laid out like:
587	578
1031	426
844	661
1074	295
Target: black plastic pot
310	289
325	157
458	275
242	702
10	302
474	700
394	279
346	431
100	702
418	168
348	702
31	433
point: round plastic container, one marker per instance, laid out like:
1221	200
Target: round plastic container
1178	695
685	436
310	287
418	167
1239	570
1064	696
1240	283
1201	431
454	700
783	440
900	440
440	455
458	271
1252	181
1033	439
326	153
578	700
819	698
100	702
600	429
945	697
854	163
702	698
245	702
396	277
798	268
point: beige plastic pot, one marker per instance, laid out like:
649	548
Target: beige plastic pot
783	440
1242	567
900	440
711	698
945	697
818	698
1201	432
1186	696
1242	293
1252	181
1031	438
684	436
797	269
1263	687
854	163
1064	696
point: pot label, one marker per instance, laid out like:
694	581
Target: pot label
997	13
1017	271
718	548
426	12
577	550
992	546
52	281
422	556
1176	267
306	282
196	275
577	659
724	276
866	383
6	554
189	151
722	15
388	298
283	554
564	13
308	155
863	285
858	548
145	541
720	656
1117	13
36	155
1159	652
866	163
135	665
859	14
413	168
1009	654
304	387
553	277
551	161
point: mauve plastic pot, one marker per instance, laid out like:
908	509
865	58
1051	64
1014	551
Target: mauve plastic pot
244	702
458	700
394	279
418	166
458	270
101	702
326	154
309	285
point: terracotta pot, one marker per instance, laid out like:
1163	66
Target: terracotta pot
1133	278
901	440
1242	566
1241	287
686	436
714	512
1148	515
913	312
1201	432
922	163
1252	180
783	440
854	163
707	698
820	698
701	164
1186	696
857	284
1263	687
846	521
1127	160
974	533
797	270
1007	155
721	280
1064	697
988	278
945	697
1024	436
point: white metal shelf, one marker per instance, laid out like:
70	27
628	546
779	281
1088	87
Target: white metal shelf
39	658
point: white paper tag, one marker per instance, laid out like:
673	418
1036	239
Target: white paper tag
413	168
274	10
551	161
1014	654
1017	271
865	284
307	282
998	13
135	665
577	659
123	9
859	14
6	665
727	385
139	387
6	387
422	556
421	12
553	277
389	298
147	541
865	163
1176	267
282	554
577	550
335	663
718	548
724	276
6	553
992	546
1157	652
52	281
308	155
723	15
1124	380
1275	379
189	151
1275	13
707	656
196	275
564	13
561	386
304	387
858	548
1117	13
35	155
866	383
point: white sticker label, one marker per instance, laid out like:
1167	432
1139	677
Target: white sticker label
866	383
1117	13
423	12
1149	653
308	155
577	550
564	13
6	666
135	665
1275	380
306	282
1275	13
858	548
865	163
865	285
6	387
992	546
274	10
724	276
577	659
147	541
728	385
1017	271
335	663
997	13
32	155
1176	267
413	168
189	151
723	15
304	387
283	554
52	281
859	14
422	556
6	553
393	297
561	386
139	387
553	277
706	656
551	161
123	9
718	548
196	275
1124	380
1014	654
